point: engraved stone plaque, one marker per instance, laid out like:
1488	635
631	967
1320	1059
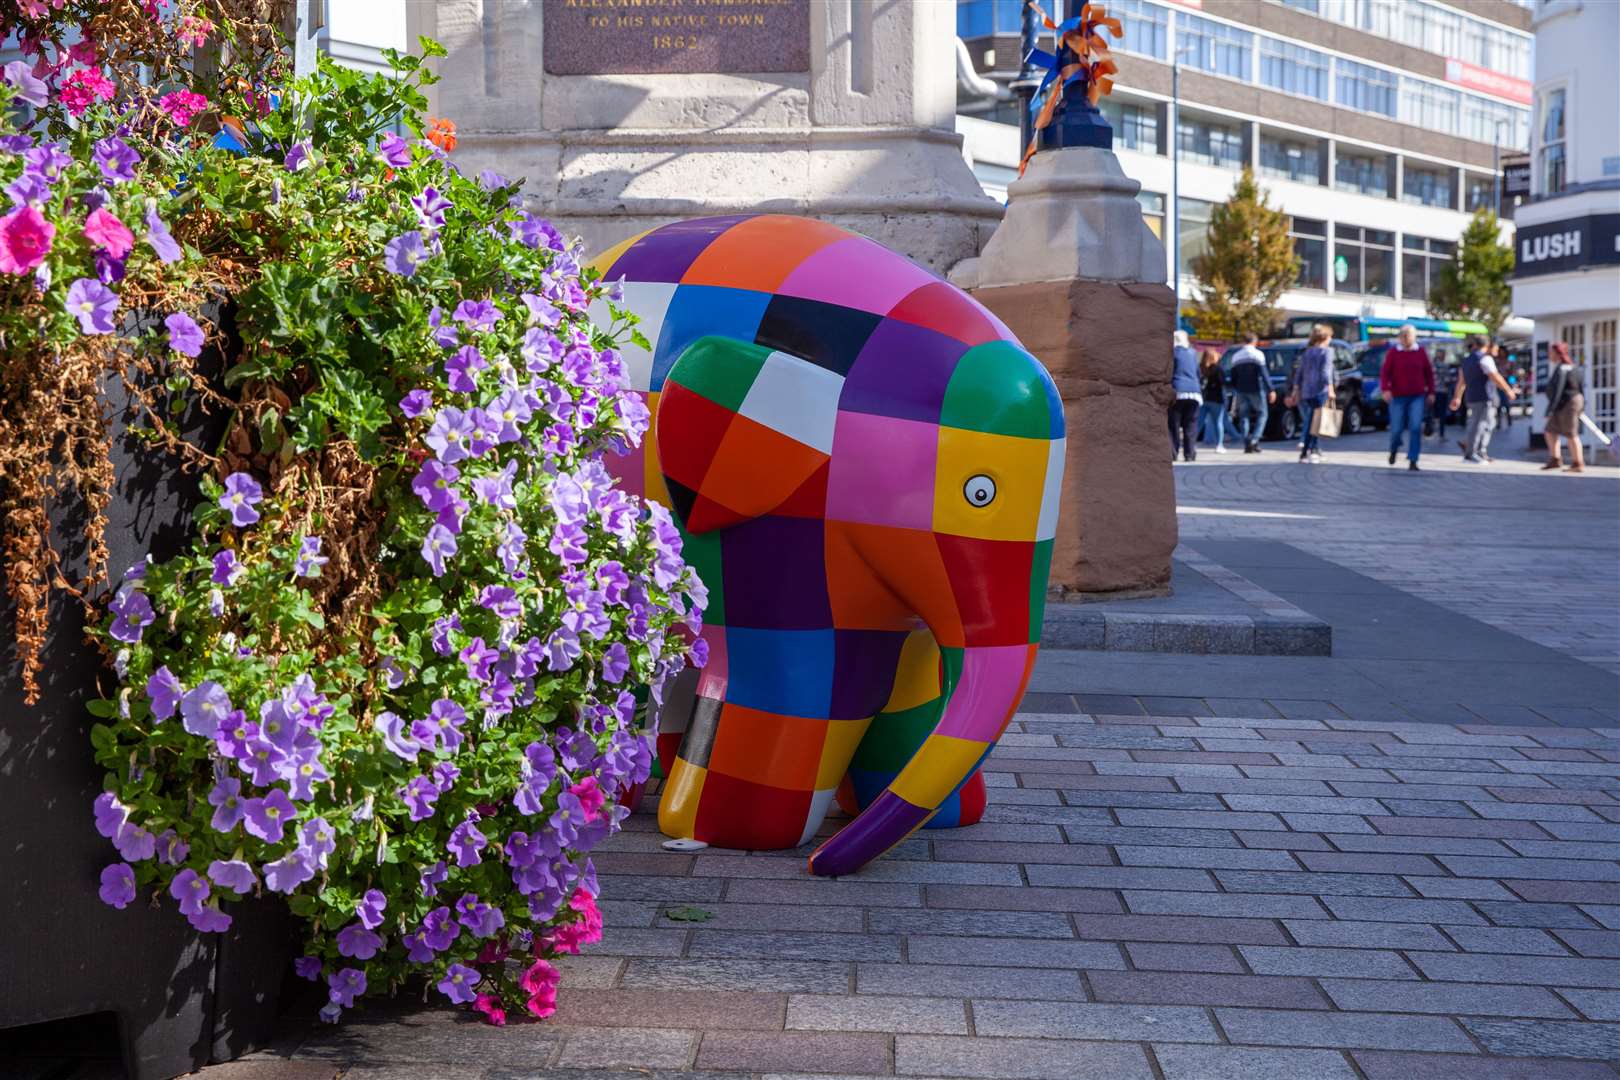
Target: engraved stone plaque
657	37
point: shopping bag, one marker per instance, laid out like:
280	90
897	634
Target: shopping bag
1325	422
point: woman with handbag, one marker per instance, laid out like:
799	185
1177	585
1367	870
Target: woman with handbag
1310	389
1566	399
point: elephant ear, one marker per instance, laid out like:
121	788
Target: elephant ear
744	429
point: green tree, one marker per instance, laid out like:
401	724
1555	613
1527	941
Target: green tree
1248	265
1475	286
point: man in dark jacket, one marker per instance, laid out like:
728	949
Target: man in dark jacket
1184	409
1251	392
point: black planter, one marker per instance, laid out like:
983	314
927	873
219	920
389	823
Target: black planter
63	953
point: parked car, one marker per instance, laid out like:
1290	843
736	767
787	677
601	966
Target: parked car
1281	356
1444	352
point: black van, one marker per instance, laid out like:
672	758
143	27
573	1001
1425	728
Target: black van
1445	353
1281	356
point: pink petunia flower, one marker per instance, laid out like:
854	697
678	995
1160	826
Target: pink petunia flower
25	240
81	89
182	106
105	231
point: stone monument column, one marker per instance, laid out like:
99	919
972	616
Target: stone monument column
626	114
1075	272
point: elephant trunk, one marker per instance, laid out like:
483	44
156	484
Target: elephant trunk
982	686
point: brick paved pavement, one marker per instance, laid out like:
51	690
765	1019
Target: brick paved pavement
1184	898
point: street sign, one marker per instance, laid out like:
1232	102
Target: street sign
1515	178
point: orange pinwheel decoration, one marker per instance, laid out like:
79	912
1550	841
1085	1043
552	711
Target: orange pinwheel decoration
1082	56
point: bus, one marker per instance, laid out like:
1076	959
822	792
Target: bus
1363	328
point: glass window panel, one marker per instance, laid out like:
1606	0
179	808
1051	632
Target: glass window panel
1413	286
1216	47
1310	246
1299	160
1364	173
1429	187
1136	127
1364	88
1212	144
1293	69
1378	273
1146	27
1193	231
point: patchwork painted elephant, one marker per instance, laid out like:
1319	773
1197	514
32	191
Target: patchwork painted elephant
865	466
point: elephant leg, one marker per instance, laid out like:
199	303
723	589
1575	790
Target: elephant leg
906	720
760	759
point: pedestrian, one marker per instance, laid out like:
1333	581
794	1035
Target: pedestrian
1566	400
1445	377
1184	409
1311	386
1252	393
1477	376
1504	410
1406	381
1212	413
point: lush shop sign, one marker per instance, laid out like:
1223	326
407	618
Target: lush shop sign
1558	246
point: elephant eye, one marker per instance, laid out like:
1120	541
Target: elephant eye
979	490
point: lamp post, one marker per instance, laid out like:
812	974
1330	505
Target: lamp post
1029	76
1175	173
1496	170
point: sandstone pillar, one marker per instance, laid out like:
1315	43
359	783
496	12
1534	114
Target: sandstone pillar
854	124
1078	276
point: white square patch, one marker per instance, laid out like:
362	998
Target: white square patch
1051	494
796	398
650	302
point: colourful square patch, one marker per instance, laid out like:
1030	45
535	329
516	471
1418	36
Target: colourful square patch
1017	469
882	471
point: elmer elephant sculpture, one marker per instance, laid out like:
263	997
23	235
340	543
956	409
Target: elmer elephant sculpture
865	466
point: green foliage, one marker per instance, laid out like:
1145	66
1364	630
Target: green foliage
1475	285
1249	264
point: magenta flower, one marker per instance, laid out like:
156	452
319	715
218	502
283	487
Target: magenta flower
227	800
182	106
357	941
465	844
267	817
81	89
164	691
25	240
458	983
159	237
116	160
405	253
204	708
117	885
185	336
439	543
242	494
132	613
105	231
233	874
93	304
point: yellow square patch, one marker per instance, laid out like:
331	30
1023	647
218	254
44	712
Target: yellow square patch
1016	471
838	750
916	679
678	802
927	787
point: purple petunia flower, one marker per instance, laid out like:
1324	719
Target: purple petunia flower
317	841
441	634
30	89
477	314
478	658
465	844
415	403
449	435
242	494
483	432
405	253
395	150
439	929
307	771
433	877
393	674
171	850
159	238
227	570
445	334
233	874
439	543
434	484
359	942
490	180
458	984
164	691
419	796
370	908
297	157
191	889
116	160
396	738
288	872
204	708
29	189
226	798
430	206
267	817
209	920
93	304
345	986
615	662
185	336
117	885
501	600
310	560
307	967
462	367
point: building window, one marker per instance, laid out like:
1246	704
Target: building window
1429	187
1293	70
1192	232
1217	48
1367	174
981	18
1146	27
1212	144
1310	244
1605	390
1377	16
1428	106
1311	7
1136	127
1363	260
1431	28
1299	160
1421	261
1152	204
1363	88
1552	141
1479	193
1487	121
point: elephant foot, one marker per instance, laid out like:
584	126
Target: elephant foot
719	810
